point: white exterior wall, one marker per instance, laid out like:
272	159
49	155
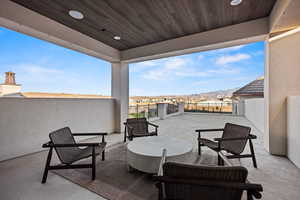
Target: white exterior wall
26	123
9	89
255	112
241	107
293	129
282	75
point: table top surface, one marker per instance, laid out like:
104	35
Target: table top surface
153	146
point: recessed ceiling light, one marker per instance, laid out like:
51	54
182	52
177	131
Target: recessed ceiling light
235	2
76	14
116	37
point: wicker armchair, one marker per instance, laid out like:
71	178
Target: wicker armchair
233	141
138	127
68	151
177	181
194	182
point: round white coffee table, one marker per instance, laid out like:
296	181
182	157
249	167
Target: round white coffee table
144	154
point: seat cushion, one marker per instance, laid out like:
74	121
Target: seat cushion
87	152
210	144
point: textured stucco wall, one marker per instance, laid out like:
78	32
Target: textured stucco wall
282	80
25	123
293	129
254	112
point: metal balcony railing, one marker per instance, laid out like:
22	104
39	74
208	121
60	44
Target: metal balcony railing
224	107
145	110
172	108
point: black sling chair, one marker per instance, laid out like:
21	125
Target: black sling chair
68	151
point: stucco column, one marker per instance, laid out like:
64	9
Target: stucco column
120	92
162	110
181	107
282	75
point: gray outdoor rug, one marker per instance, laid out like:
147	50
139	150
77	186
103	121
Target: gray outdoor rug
114	182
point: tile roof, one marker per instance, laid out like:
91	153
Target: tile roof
255	88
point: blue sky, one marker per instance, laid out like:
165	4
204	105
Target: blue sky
220	69
44	67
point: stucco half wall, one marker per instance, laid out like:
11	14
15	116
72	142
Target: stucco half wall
282	78
255	112
293	129
26	123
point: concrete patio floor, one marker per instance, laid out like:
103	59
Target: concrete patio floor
20	177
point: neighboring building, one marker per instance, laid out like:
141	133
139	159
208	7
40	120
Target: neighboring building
255	89
249	102
9	86
10	89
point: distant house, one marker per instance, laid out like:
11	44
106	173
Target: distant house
255	89
9	86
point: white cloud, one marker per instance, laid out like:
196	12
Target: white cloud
148	63
200	57
224	71
184	68
258	53
33	73
141	66
36	69
174	68
197	83
223	60
234	48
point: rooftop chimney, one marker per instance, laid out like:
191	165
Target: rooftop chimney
10	78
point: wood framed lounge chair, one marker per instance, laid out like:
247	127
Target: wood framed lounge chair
233	141
138	127
68	151
177	181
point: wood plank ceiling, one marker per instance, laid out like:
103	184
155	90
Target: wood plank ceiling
142	22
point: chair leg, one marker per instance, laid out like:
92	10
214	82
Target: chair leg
199	148
249	196
93	164
125	134
103	154
252	154
219	160
45	175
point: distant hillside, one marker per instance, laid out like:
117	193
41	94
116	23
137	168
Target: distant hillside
213	94
208	95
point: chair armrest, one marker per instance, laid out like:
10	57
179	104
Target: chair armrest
128	126
156	126
232	139
255	188
50	144
89	134
209	130
252	136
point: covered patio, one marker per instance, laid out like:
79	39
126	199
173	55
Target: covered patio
279	177
125	32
